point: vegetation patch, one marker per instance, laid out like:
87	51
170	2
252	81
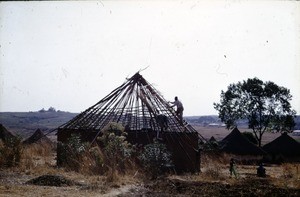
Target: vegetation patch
155	158
10	152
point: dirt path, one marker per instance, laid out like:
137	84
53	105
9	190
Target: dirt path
126	190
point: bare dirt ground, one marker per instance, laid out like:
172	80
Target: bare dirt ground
214	180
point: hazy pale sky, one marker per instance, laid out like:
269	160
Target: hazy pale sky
69	55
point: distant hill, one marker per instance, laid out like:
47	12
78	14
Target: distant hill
215	121
26	123
210	121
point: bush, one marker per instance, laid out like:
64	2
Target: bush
155	157
117	152
10	152
71	153
113	155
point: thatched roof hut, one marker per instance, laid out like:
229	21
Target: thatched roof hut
236	143
5	134
283	145
38	137
212	139
136	104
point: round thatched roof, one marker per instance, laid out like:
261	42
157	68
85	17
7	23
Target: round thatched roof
236	143
37	137
284	145
5	134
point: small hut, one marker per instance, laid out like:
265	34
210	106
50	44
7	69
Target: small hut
5	134
38	137
236	143
140	108
212	139
283	146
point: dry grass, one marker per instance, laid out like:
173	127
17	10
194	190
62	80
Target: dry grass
216	169
37	157
39	160
289	176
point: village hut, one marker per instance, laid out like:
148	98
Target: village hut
5	134
210	145
145	115
212	139
283	146
236	143
213	143
38	137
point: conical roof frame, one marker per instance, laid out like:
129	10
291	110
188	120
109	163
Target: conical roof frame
134	104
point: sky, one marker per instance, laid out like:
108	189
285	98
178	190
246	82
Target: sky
69	55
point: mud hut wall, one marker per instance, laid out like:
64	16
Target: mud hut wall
141	137
85	135
184	148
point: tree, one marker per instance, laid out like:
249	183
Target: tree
51	109
265	105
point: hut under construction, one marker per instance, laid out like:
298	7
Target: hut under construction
139	107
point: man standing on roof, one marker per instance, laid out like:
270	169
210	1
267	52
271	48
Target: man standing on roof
179	108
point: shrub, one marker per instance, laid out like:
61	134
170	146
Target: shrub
71	152
113	155
155	157
117	152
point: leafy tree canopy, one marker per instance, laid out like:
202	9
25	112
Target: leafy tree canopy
265	105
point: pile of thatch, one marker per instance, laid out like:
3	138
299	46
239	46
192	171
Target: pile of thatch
51	180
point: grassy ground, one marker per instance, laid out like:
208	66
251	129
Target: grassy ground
214	180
